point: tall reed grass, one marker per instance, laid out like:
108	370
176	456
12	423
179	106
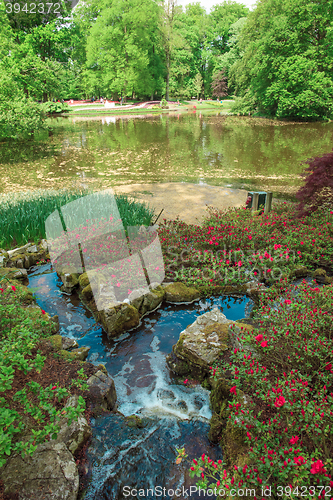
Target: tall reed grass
23	215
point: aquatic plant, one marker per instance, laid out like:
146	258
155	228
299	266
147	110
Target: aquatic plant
22	216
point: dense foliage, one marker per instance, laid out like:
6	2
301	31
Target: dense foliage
285	69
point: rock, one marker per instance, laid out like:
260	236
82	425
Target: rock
68	343
178	292
56	341
254	287
151	300
299	272
18	250
134	421
70	279
44	245
50	473
83	280
32	249
136	297
200	345
118	319
215	429
87	293
20	274
3	258
79	354
75	435
102	391
320	276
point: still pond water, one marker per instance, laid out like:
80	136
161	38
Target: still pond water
106	151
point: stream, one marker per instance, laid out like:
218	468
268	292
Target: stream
174	415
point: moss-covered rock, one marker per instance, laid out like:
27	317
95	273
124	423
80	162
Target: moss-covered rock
233	442
320	276
87	294
219	395
215	429
200	345
83	280
118	319
79	354
299	272
134	421
56	341
151	300
178	292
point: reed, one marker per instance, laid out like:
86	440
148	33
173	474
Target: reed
23	215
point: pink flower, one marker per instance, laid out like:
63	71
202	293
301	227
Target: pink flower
233	390
118	285
264	344
43	312
259	337
287	301
185	381
54	387
294	439
317	467
279	401
13	288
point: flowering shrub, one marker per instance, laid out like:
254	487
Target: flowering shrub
233	246
286	418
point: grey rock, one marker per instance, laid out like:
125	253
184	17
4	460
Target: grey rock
80	354
75	435
19	264
68	343
180	293
200	344
18	250
102	390
44	245
118	319
32	249
50	473
21	274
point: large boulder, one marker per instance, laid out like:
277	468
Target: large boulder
200	345
77	433
117	319
102	392
50	473
151	300
180	293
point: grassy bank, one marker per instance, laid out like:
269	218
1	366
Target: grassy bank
23	215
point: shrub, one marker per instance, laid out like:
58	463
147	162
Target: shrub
55	107
317	191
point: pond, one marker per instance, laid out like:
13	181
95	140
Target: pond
173	414
196	147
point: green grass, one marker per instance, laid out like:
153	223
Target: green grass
22	216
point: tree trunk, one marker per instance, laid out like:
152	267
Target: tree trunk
167	75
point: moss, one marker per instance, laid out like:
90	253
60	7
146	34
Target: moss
222	330
215	429
219	394
178	292
17	257
83	280
102	368
87	293
134	421
56	341
233	442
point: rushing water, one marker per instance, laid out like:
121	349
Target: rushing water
196	147
173	414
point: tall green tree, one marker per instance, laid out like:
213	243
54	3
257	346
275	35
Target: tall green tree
286	68
120	47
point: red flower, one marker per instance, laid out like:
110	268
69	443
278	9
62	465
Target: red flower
13	288
264	344
233	390
43	312
185	381
294	439
54	387
299	460
259	337
279	401
1	290
317	467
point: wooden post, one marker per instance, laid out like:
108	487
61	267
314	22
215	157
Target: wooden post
255	202
268	204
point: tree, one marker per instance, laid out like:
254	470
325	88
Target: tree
286	68
219	85
120	47
317	191
197	84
